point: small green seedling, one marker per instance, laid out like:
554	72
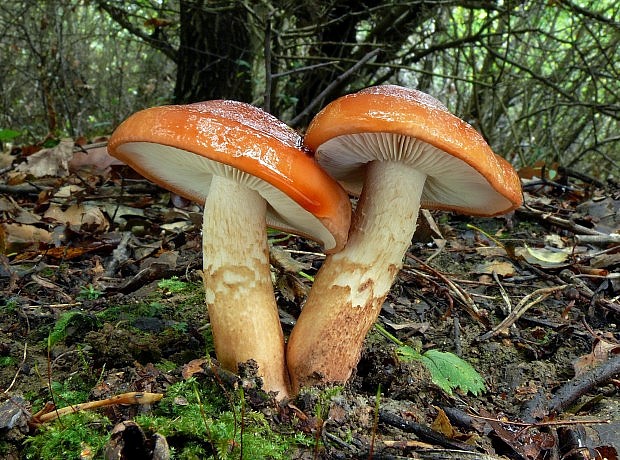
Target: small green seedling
172	285
448	371
89	293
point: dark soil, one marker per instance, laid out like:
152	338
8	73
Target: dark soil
86	308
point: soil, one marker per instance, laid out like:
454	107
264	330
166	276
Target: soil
123	330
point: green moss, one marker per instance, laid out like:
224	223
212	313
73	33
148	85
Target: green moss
180	307
173	285
6	361
198	420
9	307
67	438
68	323
70	391
165	366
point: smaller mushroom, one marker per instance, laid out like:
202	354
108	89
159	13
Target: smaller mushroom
248	170
401	149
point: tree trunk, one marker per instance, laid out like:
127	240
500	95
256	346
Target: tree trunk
214	56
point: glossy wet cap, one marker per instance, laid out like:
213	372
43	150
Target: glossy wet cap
181	148
393	123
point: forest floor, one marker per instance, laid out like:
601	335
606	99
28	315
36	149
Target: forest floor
101	296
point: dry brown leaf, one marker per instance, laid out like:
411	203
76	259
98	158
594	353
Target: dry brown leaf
18	237
491	251
95	160
442	425
193	367
67	191
283	261
79	216
26	217
500	267
7	205
49	162
600	353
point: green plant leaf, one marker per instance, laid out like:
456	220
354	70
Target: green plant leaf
449	372
407	353
8	134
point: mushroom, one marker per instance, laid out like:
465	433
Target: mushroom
401	149
249	171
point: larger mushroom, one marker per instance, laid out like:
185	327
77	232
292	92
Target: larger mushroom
401	149
249	171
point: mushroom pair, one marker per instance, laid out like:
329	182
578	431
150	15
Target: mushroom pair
396	148
249	171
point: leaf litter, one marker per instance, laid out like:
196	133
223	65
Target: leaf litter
531	301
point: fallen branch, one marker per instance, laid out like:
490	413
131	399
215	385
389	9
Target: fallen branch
135	397
572	390
564	223
601	240
421	431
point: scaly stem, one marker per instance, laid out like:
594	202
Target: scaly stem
239	292
350	287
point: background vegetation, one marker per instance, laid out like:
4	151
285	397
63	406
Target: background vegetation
538	78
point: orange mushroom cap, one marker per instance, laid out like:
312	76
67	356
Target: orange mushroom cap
179	147
463	173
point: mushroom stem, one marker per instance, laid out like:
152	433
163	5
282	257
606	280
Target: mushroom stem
350	287
239	292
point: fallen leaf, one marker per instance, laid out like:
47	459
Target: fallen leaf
544	257
600	353
419	327
555	240
178	227
18	237
500	267
79	216
193	367
49	162
605	260
94	159
490	251
442	425
283	261
68	191
26	217
7	205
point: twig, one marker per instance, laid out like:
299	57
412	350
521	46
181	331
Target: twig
504	294
22	189
521	308
320	255
602	240
542	424
458	347
125	398
375	424
302	69
564	223
461	294
572	390
268	74
421	431
21	366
